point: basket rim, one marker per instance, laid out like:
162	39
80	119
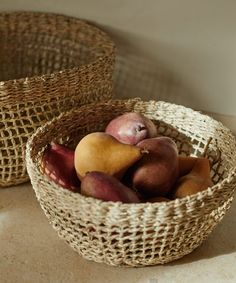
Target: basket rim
110	48
89	200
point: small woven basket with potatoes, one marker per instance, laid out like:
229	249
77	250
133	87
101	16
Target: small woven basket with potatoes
49	63
142	233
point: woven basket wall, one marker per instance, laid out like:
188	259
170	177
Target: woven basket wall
146	233
48	64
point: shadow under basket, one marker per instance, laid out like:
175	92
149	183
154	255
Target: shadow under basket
49	63
136	234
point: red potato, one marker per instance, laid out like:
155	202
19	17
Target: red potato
58	164
131	128
157	171
157	199
106	187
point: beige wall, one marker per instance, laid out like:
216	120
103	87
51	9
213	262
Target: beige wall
183	51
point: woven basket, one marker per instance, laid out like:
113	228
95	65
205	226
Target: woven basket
136	234
48	64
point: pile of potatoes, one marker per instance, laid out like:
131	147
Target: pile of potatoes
128	162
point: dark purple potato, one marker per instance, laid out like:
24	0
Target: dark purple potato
106	187
58	164
157	171
131	128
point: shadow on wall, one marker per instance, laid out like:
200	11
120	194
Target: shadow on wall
137	74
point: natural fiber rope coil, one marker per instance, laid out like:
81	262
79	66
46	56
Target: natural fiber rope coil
49	63
136	234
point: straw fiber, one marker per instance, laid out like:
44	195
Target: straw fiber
48	64
137	234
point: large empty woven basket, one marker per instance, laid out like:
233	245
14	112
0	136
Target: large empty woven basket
48	64
146	233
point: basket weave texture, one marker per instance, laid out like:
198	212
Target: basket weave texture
49	63
136	234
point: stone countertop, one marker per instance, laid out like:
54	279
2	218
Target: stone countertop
31	251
